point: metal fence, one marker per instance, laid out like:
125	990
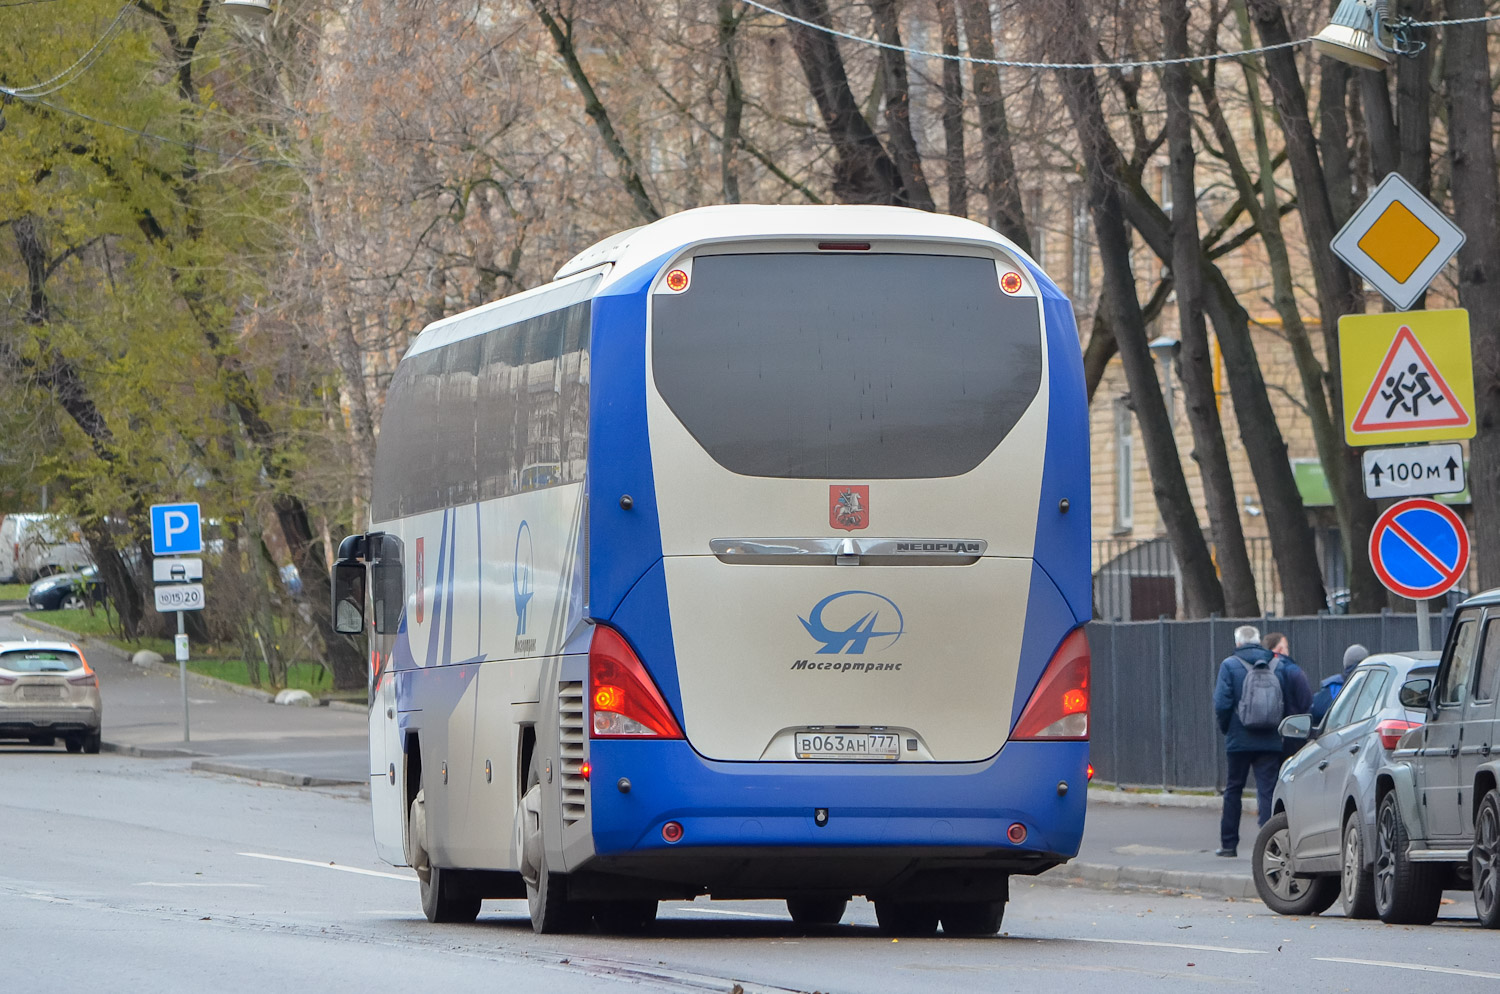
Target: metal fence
1151	720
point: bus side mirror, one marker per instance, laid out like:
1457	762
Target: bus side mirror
348	598
387	596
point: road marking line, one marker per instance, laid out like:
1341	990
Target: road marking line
159	883
332	866
735	914
1174	945
1410	966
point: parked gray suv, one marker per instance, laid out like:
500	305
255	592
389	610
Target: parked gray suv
1318	845
1438	819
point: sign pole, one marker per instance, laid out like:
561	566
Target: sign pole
1424	627
182	657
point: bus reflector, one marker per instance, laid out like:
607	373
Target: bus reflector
1059	707
677	281
623	698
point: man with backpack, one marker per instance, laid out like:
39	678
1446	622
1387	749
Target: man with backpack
1254	691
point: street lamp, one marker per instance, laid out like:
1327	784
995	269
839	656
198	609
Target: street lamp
250	11
1363	34
1164	350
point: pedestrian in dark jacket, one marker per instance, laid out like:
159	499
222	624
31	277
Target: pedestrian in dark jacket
1249	749
1328	690
1300	700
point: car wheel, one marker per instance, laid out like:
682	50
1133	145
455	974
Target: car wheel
73	743
972	918
444	897
906	918
1282	892
1356	880
73	602
91	743
1406	893
817	910
1485	860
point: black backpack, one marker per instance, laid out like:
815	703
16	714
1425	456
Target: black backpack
1262	705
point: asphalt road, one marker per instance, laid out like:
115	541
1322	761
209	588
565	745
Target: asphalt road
134	874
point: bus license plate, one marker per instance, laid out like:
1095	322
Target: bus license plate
883	746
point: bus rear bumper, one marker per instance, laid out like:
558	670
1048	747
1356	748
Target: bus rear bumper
753	829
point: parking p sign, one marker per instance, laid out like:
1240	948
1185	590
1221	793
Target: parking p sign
176	529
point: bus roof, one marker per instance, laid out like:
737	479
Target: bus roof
623	253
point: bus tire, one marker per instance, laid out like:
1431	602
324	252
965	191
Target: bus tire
972	918
817	910
907	919
445	898
553	912
625	917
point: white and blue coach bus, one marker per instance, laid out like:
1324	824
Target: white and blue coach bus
750	558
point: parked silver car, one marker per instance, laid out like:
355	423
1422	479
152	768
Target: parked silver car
49	691
1319	844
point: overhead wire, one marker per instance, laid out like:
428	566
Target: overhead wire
1125	64
82	65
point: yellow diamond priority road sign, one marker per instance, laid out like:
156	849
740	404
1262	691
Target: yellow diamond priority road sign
1407	377
1398	241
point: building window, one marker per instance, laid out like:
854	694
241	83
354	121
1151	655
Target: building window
1124	466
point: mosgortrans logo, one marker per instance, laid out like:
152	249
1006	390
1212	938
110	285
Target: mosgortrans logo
853	622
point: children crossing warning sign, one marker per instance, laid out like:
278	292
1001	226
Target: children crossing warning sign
1407	377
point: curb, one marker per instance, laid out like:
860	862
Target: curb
146	752
1164	799
280	777
1230	885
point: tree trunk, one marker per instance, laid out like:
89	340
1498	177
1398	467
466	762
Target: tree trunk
1476	203
863	173
1196	359
1002	187
953	113
1201	591
1338	291
898	106
734	101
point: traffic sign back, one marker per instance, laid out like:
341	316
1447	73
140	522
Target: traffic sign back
1406	377
1419	548
176	529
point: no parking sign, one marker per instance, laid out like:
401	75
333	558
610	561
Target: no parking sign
1419	548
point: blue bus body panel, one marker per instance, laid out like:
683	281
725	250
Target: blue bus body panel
876	804
623	544
1062	539
646	621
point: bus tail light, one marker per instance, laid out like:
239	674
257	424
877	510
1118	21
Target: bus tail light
1391	730
1059	707
623	699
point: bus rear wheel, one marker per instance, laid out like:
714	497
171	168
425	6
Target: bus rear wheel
445	896
972	918
817	910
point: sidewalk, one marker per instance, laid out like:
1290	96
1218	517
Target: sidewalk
1167	845
234	731
1152	841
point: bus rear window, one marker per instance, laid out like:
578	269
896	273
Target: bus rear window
846	367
